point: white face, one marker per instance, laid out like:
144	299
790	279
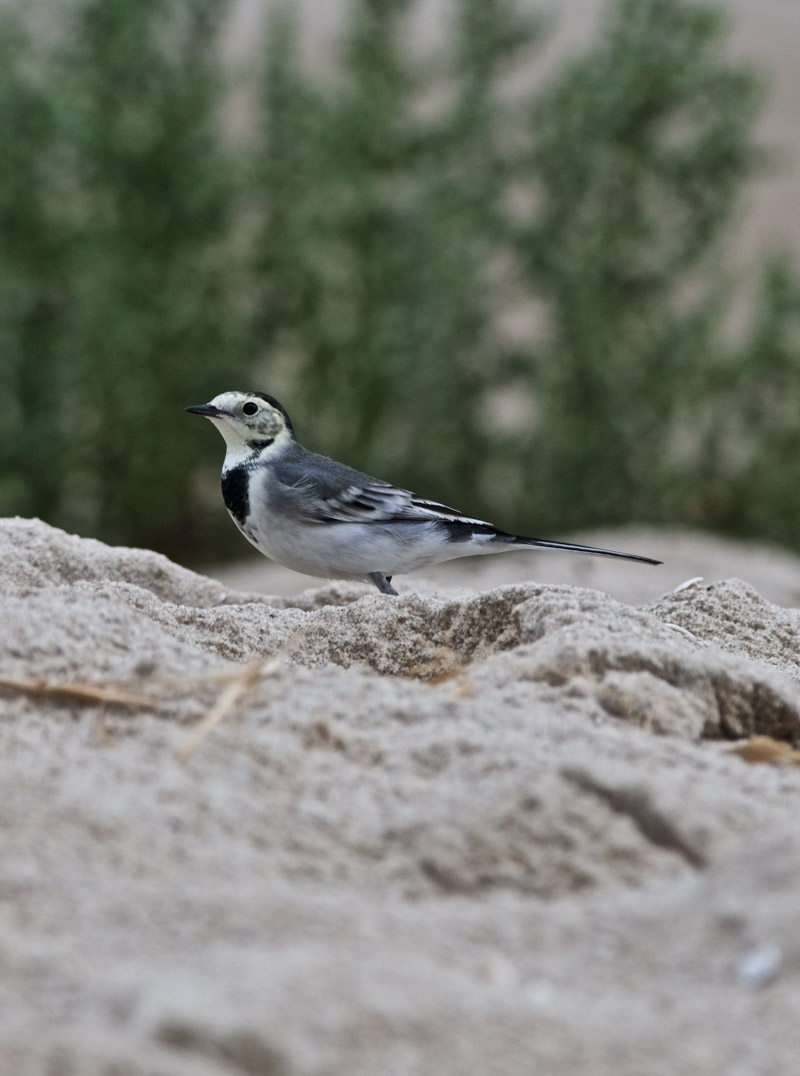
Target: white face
243	418
247	421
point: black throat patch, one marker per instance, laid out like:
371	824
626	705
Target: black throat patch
234	493
259	445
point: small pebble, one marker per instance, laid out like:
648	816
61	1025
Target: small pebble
759	965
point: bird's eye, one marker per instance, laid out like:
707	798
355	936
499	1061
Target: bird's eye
249	408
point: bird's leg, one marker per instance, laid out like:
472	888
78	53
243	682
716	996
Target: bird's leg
382	582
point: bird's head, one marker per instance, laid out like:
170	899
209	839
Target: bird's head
250	422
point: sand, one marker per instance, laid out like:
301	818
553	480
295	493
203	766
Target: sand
474	829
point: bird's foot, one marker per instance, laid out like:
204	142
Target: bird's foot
382	582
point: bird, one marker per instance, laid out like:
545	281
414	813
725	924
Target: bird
320	517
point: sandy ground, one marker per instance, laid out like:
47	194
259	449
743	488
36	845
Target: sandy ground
473	829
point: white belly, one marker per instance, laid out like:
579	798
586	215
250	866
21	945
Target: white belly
350	550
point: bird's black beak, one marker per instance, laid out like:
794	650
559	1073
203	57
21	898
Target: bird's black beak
206	410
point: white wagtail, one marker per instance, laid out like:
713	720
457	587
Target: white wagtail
326	519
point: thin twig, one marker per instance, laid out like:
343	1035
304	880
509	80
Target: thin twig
90	692
228	698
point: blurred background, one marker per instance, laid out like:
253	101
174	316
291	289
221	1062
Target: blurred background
539	262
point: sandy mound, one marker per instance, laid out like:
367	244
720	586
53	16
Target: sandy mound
504	832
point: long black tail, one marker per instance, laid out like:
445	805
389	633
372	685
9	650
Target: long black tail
465	530
515	539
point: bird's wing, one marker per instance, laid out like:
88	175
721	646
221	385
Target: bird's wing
376	502
362	499
322	490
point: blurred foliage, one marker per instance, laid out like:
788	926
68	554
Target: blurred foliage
150	281
753	451
378	229
640	149
118	275
32	374
511	298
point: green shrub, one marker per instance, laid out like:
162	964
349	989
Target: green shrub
512	299
753	450
640	149
153	321
32	300
399	240
119	282
379	228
